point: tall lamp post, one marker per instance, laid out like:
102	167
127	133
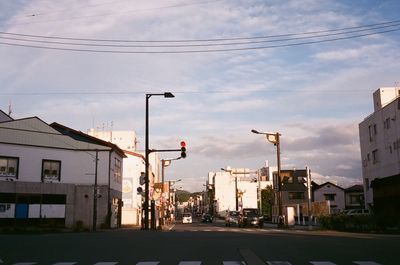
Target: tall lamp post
147	152
274	138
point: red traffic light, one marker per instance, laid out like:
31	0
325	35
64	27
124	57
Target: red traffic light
183	149
183	144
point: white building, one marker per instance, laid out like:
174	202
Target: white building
134	167
380	139
48	172
332	193
248	185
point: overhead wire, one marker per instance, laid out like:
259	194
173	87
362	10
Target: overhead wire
199	51
198	45
387	23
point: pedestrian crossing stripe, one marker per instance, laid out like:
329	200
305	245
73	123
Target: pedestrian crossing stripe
200	263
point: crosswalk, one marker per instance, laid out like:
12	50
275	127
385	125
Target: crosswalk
196	263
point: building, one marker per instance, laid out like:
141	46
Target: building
332	193
354	197
235	188
134	168
380	140
50	173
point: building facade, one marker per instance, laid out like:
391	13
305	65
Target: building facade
380	140
48	174
332	193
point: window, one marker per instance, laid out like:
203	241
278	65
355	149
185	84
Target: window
117	170
372	132
356	199
51	170
366	184
375	157
9	167
386	123
329	196
296	195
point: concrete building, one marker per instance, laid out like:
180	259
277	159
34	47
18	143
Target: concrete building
134	167
332	193
47	172
235	188
380	140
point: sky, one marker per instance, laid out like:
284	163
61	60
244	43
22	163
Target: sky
299	68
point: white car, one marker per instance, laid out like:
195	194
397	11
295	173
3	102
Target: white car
187	218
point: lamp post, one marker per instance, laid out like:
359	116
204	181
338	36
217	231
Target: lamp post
147	152
274	138
171	183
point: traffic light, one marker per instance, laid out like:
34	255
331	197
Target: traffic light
183	149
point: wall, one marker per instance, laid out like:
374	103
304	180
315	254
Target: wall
338	204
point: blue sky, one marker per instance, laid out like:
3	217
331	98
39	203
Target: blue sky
314	95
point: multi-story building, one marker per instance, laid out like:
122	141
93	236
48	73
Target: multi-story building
236	188
52	172
134	168
332	193
380	140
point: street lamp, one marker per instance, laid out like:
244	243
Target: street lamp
147	152
274	138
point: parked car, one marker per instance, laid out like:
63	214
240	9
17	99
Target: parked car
232	218
207	218
250	217
187	218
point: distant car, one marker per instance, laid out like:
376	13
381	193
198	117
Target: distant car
250	217
232	218
207	218
357	212
187	218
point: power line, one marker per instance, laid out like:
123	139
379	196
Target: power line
110	13
199	51
197	45
210	39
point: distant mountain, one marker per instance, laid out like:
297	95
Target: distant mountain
183	195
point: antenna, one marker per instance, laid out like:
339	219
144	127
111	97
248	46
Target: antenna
9	108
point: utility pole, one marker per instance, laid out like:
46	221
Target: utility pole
309	197
278	157
236	194
95	193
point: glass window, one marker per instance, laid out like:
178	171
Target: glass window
51	170
375	158
9	167
296	195
330	197
117	170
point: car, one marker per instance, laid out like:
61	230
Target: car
232	218
187	218
206	218
250	217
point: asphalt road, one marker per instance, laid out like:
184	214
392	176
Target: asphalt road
197	243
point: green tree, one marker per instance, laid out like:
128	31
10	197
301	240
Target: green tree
267	200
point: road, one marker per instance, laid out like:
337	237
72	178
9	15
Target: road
197	243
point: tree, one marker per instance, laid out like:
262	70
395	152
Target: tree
267	200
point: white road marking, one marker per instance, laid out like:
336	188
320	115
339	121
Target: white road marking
65	263
190	263
148	263
278	263
366	263
322	263
233	263
25	263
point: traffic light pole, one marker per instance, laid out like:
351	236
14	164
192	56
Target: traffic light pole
146	183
